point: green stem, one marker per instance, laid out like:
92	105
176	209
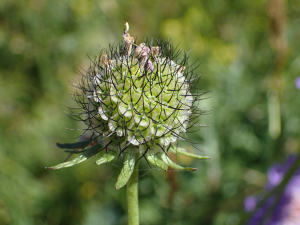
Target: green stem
132	195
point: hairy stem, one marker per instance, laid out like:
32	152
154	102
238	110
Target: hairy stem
132	195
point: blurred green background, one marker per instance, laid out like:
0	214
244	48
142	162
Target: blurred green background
249	55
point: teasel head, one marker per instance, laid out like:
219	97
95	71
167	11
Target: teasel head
136	99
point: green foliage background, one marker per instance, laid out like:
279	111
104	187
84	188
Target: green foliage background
44	43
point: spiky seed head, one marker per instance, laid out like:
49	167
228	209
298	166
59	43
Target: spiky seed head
137	99
138	102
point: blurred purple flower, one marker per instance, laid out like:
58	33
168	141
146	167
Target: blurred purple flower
297	83
250	203
287	210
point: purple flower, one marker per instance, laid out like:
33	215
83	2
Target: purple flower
297	83
250	203
277	210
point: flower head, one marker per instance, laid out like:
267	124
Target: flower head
136	99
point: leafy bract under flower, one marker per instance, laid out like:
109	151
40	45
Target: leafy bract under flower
137	100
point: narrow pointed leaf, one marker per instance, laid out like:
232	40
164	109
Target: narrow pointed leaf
79	144
76	151
154	160
128	167
88	153
173	165
107	157
184	152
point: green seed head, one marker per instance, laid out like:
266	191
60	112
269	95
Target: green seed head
142	99
137	99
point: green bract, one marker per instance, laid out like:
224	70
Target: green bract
135	100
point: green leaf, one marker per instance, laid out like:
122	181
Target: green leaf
173	165
128	167
154	160
88	153
79	144
184	152
107	157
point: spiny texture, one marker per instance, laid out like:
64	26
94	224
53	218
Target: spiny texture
137	105
137	99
